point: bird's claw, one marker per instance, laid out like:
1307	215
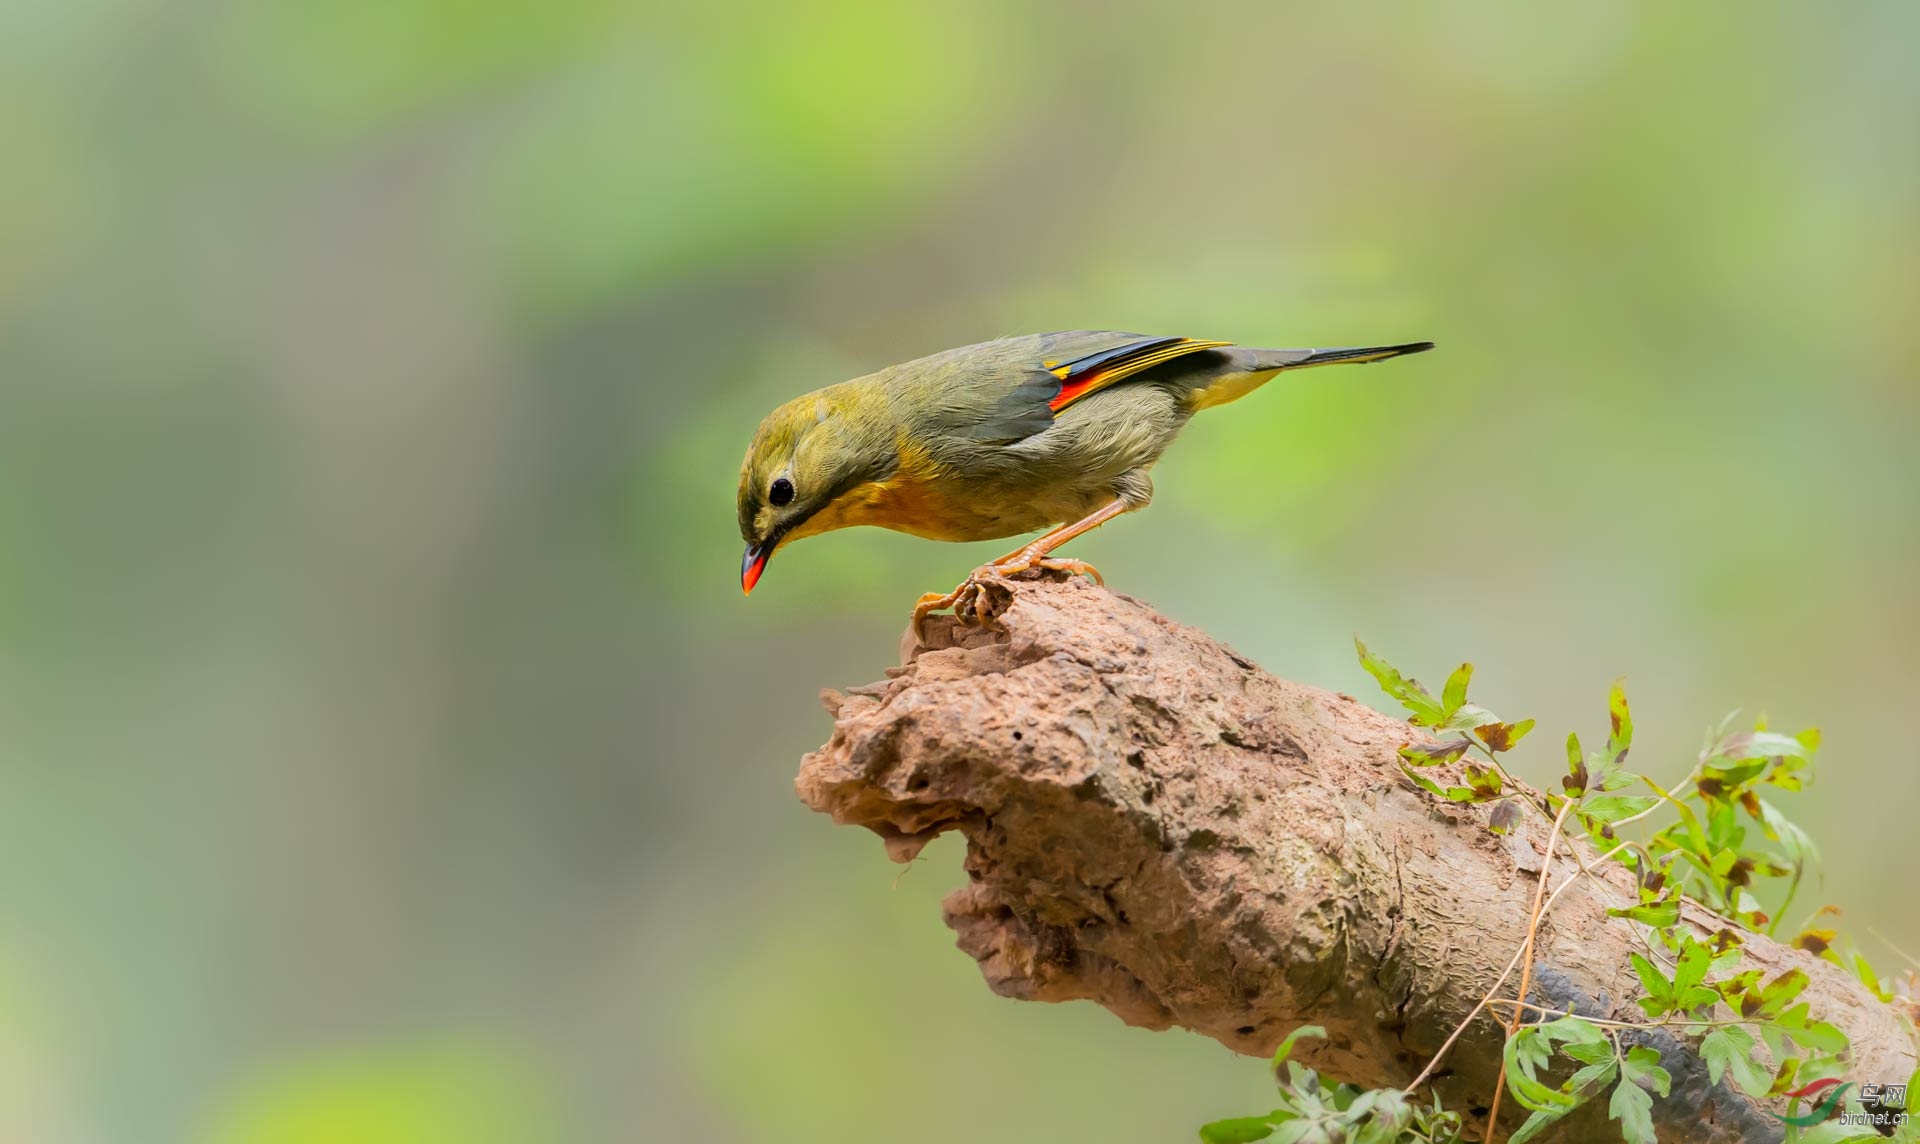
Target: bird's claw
1070	567
983	595
972	602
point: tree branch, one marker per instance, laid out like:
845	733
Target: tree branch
1156	824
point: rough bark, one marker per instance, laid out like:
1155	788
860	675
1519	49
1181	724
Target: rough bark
1156	824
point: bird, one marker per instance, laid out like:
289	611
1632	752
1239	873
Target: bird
1053	432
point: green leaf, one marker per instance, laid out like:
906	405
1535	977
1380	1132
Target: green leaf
1786	774
1302	1083
1691	969
1697	997
1633	1108
1532	1048
1729	1049
1485	782
1422	781
1237	1130
1573	1031
1763	745
1737	775
1583	1085
1469	717
1412	696
1785	1078
1723	827
1620	720
1451	794
1614	807
1735	989
1379	1116
1821	1037
1454	695
1285	1050
1593	1080
1615	777
1659	998
1820	1068
1433	754
1575	784
1526	1052
1505	816
1795	841
1538	1122
1654	981
1863	969
1815	941
1689	975
1656	914
1503	736
1746	910
1642	1067
1777	994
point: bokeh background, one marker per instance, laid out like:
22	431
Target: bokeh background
388	752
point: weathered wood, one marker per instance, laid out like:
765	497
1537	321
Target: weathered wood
1155	824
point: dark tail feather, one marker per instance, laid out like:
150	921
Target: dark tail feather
1249	369
1358	355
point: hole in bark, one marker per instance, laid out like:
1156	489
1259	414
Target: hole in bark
919	783
1246	1030
1016	736
1146	796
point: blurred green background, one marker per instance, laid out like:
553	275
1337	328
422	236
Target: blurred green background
389	754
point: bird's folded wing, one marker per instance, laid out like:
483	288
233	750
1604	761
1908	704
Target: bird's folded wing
1095	372
1026	393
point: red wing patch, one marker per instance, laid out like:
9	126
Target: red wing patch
1095	372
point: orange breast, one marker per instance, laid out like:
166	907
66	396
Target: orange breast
919	498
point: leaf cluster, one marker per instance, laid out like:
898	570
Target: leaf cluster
1725	837
1312	1112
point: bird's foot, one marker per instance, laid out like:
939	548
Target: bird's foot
983	595
975	601
1029	563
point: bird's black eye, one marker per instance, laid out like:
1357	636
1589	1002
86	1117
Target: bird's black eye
781	494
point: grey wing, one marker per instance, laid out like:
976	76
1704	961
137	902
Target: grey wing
1022	411
1002	391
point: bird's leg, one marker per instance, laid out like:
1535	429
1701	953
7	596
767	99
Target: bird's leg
969	596
1037	554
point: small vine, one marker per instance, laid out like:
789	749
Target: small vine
1725	841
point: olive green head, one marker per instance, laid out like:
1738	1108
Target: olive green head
805	455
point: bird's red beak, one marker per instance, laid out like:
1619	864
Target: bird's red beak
752	564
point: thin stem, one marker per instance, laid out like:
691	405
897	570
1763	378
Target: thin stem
1434	1064
1661	1024
1526	966
1786	903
